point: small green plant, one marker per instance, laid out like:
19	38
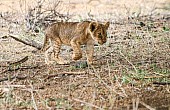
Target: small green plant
165	28
60	103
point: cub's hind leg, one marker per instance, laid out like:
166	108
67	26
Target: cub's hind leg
48	51
47	54
57	46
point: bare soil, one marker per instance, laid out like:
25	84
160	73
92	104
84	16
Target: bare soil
131	71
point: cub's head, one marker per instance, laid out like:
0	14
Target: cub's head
99	31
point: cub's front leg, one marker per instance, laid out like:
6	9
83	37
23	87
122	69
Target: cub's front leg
90	51
77	54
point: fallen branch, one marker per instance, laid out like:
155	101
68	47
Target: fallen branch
15	86
147	106
65	73
162	83
18	76
20	68
26	41
13	77
155	76
19	62
15	65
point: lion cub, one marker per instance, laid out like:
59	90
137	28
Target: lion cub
73	34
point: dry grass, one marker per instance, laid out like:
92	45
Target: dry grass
132	69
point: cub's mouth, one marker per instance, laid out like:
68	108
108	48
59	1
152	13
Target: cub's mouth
101	42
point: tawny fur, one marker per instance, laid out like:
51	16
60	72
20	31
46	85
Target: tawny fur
73	34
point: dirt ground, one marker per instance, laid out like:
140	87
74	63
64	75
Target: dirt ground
131	71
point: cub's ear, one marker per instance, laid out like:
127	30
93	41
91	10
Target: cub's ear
107	25
92	26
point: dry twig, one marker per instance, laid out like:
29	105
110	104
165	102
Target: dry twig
65	73
26	41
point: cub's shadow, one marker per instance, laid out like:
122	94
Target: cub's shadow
80	64
84	64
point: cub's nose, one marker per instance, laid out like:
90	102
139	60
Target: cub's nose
104	41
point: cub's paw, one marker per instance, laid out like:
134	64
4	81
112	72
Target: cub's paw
49	62
61	61
76	56
90	62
